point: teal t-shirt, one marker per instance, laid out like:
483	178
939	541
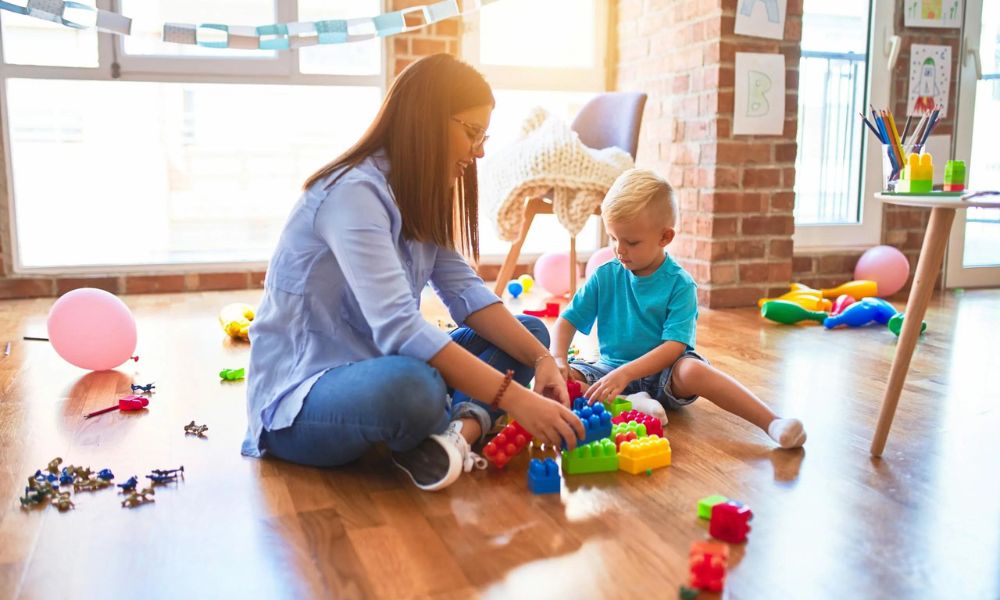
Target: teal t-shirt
636	314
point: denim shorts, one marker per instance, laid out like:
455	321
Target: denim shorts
656	385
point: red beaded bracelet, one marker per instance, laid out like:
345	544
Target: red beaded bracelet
503	387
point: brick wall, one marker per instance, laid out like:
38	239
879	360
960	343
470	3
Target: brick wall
902	227
734	192
402	49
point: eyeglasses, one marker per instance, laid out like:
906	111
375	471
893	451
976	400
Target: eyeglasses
477	135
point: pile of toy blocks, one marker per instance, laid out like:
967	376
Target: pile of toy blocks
617	439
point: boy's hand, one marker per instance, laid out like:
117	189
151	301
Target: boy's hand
550	382
608	387
563	364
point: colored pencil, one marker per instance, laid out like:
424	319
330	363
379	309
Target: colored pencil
877	134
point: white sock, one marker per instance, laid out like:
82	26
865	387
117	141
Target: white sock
788	433
645	403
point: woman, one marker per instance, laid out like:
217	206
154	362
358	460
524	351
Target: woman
341	358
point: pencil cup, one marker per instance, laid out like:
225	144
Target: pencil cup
889	175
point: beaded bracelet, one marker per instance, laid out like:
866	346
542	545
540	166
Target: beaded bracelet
503	387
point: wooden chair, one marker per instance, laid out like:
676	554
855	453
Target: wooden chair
611	119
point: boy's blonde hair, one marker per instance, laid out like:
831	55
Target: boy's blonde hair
635	190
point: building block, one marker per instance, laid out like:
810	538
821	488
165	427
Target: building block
626	432
705	505
543	476
686	593
507	444
708	562
551	310
918	175
574	389
596	457
650	452
620	405
653	425
954	176
730	522
596	423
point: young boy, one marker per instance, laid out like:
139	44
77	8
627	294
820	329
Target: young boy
647	308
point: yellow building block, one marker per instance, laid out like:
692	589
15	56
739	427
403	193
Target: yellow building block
637	456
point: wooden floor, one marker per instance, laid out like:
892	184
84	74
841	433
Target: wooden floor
830	522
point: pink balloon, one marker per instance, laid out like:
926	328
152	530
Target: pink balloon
885	265
552	272
92	329
602	256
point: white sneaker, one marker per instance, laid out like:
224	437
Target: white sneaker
645	403
438	461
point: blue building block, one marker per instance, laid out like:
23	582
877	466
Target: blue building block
543	476
596	422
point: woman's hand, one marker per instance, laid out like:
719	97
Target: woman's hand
563	365
607	388
548	421
550	381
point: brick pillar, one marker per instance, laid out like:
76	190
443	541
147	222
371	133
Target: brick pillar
735	192
444	36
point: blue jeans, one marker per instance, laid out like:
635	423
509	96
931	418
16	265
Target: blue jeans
656	385
396	400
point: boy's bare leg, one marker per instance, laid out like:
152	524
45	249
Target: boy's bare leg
471	430
693	377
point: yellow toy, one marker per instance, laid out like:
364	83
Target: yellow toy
527	282
807	299
636	456
862	288
235	320
917	175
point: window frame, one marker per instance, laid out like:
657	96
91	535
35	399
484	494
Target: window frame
243	70
596	79
867	232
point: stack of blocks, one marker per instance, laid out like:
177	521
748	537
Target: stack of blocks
917	177
730	522
954	176
708	562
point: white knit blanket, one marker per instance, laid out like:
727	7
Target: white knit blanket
548	155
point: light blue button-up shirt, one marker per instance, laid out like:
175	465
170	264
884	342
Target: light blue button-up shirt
344	286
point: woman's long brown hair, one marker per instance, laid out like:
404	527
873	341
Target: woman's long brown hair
412	128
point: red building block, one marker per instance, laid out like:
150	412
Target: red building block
653	426
574	389
730	522
506	445
551	310
708	565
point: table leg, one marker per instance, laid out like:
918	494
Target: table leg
928	268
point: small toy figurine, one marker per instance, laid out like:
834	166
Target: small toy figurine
136	498
105	474
31	498
62	502
90	485
129	485
145	389
66	478
232	374
192	429
161	476
54	465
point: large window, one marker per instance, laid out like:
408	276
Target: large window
132	153
558	61
842	70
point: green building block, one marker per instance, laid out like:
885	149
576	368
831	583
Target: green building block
637	428
619	405
954	171
705	505
595	457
